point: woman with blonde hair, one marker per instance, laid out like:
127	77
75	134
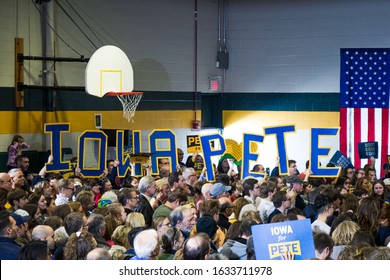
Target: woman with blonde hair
135	220
120	239
161	224
342	236
161	195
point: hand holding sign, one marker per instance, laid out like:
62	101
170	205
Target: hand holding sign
368	150
288	256
372	159
339	159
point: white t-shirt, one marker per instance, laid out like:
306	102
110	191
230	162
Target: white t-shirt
318	226
265	208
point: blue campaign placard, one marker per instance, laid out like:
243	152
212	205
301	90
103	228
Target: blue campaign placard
368	149
339	159
271	241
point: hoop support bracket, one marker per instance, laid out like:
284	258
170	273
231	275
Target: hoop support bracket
19	72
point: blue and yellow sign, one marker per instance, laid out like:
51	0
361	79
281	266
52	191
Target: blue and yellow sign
271	241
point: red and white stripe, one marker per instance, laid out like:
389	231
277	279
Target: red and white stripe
364	125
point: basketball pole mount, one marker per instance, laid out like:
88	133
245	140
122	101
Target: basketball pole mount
19	72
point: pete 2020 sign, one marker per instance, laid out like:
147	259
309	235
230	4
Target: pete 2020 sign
57	129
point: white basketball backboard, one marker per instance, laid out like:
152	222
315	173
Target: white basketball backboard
108	70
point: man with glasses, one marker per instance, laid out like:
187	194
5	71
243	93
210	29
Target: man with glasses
292	168
251	188
66	190
129	198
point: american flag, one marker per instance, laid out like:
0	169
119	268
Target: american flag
364	102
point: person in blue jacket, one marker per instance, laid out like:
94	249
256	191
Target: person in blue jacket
9	250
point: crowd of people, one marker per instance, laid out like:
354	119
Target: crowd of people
178	215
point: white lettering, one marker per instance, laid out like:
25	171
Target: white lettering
281	230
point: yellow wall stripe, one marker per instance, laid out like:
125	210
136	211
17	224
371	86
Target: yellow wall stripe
33	121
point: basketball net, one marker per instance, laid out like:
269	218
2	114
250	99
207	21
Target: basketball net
129	102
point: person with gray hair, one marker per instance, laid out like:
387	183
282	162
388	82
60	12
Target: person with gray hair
5	188
182	218
197	247
18	179
97	226
146	245
147	188
206	190
190	177
99	254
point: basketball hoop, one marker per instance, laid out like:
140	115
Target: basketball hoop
129	102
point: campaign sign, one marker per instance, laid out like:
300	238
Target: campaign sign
368	149
193	144
271	241
339	159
